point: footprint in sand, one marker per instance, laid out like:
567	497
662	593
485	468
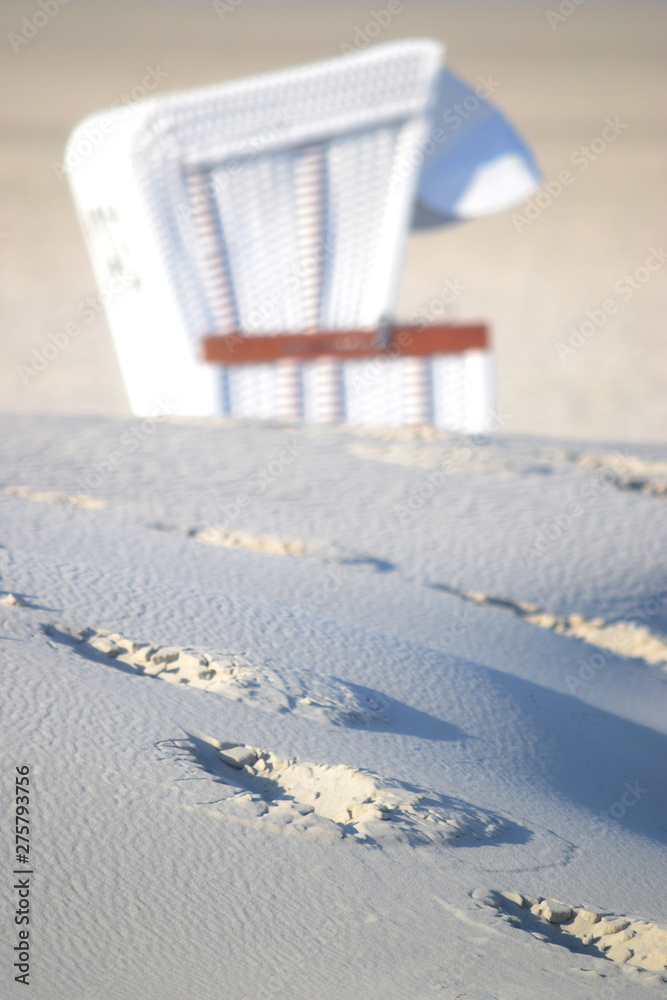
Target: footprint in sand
456	455
623	638
270	544
640	945
234	676
64	499
256	786
12	600
627	472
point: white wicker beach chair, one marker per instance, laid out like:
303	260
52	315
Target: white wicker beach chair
247	239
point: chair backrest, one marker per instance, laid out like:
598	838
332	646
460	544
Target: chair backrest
278	203
477	163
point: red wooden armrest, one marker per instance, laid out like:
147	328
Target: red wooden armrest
415	341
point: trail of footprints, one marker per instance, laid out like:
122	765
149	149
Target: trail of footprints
293	795
234	676
622	638
210	534
626	472
639	944
336	801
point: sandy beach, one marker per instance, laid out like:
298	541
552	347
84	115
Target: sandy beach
317	713
294	712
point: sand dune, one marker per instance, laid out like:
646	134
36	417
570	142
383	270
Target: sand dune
368	733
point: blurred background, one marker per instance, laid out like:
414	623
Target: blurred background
560	71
